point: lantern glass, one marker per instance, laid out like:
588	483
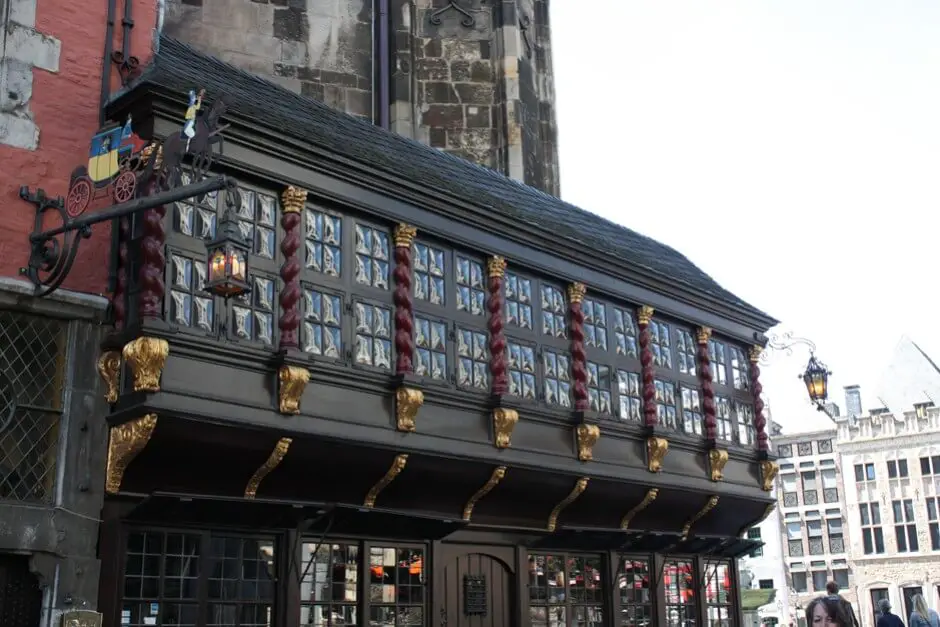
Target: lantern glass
228	260
816	379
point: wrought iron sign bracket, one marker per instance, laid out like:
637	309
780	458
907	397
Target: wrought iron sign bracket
467	20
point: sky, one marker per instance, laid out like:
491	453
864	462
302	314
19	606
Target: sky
789	148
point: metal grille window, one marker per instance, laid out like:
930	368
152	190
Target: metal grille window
471	286
323	238
329	584
373	336
253	315
430	348
804	448
241	582
521	370
322	329
785	450
518	301
905	529
556	374
625	333
814	531
595	323
824	446
719	361
599	387
659	344
472	360
685	352
429	273
396	586
873	540
836	539
718	597
830	485
32	365
554	312
371	257
256	219
628	393
665	403
795	539
633	582
156	562
565	590
679	583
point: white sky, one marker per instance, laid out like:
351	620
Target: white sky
790	148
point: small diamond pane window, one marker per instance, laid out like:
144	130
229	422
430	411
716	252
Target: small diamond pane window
659	344
254	315
719	362
371	257
471	289
518	301
666	403
685	352
472	356
553	312
556	372
196	220
373	336
189	305
628	392
256	219
740	378
595	323
521	370
723	419
430	348
323	242
599	387
747	434
691	411
624	332
322	324
429	273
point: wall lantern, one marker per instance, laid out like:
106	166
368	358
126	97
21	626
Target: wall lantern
816	375
228	259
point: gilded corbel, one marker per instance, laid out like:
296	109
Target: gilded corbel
109	369
504	422
587	438
493	481
703	335
407	403
398	464
293	199
81	618
292	381
578	489
717	458
404	235
576	292
768	472
146	357
644	315
651	495
273	461
709	506
125	442
656	449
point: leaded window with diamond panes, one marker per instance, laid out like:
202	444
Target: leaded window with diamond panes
253	312
430	348
196	219
518	301
659	344
665	403
554	311
685	352
747	433
323	237
322	328
471	286
373	336
628	395
372	256
556	375
624	332
429	273
521	370
256	219
740	376
599	387
719	362
691	411
595	323
472	360
190	305
725	425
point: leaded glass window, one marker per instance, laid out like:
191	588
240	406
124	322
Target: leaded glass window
471	286
521	370
518	301
397	586
659	344
599	387
628	392
472	360
685	352
624	332
430	348
556	374
322	329
323	242
372	257
723	418
691	411
373	336
241	582
328	590
740	377
666	403
429	273
747	433
190	304
197	220
595	323
681	603
256	219
554	311
254	312
719	362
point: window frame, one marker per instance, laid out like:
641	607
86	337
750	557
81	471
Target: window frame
873	528
678	379
653	591
173	250
570	607
351	317
736	396
905	526
344	317
615	362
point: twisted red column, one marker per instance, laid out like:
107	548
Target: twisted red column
705	376
292	203
647	374
404	307
579	376
760	422
118	298
153	261
499	362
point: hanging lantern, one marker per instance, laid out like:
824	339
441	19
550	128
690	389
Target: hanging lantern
816	379
228	259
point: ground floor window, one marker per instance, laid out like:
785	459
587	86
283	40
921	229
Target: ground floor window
877	594
718	597
566	589
633	585
681	602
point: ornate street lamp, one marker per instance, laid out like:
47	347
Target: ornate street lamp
228	256
816	375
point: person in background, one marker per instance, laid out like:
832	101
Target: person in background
922	616
827	612
887	619
833	589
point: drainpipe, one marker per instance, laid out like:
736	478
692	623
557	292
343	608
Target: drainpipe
381	63
106	60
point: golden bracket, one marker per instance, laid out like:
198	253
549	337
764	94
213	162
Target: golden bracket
651	495
644	315
109	369
588	435
493	481
578	489
398	464
146	357
709	506
717	458
125	442
407	403
656	449
767	512
292	381
504	422
768	472
274	460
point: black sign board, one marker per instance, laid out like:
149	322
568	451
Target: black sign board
474	595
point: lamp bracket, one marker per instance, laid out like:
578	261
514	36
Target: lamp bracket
784	343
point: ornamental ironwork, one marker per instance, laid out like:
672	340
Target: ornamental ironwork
824	446
804	448
790	499
810	497
784	451
831	495
795	548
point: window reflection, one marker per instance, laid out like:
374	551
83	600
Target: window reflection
328	584
718	594
396	586
678	581
633	584
241	582
563	587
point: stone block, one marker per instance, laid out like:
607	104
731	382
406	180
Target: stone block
294	52
438	138
481	72
290	23
359	102
475	93
334	96
460	71
432	70
29	46
478	117
339	78
439	93
311	90
443	116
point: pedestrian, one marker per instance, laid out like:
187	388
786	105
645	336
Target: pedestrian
922	616
833	589
887	619
827	612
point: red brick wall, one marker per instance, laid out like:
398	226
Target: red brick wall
65	108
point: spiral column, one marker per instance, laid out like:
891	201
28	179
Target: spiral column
760	422
576	292
408	397
153	263
499	380
656	445
292	204
705	377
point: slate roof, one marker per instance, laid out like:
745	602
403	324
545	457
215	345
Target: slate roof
179	67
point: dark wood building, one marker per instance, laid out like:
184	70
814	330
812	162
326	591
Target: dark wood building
449	399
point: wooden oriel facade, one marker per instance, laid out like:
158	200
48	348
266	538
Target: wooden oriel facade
448	400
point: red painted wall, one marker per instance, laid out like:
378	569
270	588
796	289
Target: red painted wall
65	107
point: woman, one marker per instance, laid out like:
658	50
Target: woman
829	612
922	616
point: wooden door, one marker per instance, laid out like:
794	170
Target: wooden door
474	587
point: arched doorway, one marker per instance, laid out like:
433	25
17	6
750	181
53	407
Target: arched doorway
474	588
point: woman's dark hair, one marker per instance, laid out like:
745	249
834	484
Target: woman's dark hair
835	609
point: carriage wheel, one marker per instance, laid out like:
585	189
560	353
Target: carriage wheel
124	187
78	198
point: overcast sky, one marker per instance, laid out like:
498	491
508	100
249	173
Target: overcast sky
791	149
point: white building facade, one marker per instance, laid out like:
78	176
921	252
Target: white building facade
764	569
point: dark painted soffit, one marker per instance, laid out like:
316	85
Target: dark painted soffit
179	68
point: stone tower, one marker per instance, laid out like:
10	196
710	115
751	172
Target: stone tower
471	77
